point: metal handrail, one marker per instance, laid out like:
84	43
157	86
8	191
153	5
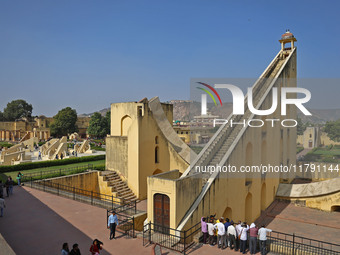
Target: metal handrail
59	172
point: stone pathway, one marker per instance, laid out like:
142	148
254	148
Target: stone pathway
36	222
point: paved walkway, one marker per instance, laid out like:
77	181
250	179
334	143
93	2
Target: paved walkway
303	153
285	217
36	222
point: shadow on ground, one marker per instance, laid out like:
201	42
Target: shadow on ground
31	227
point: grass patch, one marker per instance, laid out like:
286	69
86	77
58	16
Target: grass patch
100	164
49	163
333	152
196	149
299	149
328	154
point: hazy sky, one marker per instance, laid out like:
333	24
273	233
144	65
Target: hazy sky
89	53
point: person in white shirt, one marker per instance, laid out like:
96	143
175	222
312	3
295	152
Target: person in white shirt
211	233
263	239
243	237
221	237
238	232
231	232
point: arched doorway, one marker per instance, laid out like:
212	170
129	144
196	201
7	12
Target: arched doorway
335	208
249	208
125	125
310	144
161	215
228	213
263	197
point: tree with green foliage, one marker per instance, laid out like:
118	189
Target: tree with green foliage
64	122
1	116
301	127
17	109
98	126
332	129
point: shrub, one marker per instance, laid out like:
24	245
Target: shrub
5	144
48	163
41	143
99	168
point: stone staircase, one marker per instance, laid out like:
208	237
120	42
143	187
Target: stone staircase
227	134
118	186
219	148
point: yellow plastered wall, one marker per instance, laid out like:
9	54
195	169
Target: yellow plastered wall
134	123
240	196
180	192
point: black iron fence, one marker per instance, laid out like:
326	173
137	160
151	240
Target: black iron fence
86	196
45	173
277	242
170	238
292	244
126	223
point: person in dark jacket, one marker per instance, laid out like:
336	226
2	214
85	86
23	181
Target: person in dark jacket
75	250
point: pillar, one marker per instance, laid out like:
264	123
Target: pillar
7	135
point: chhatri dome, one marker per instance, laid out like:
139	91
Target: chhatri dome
287	37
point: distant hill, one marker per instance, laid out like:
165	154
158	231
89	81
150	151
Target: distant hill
183	109
102	112
320	115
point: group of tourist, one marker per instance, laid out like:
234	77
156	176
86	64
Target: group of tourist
225	233
8	185
75	249
95	248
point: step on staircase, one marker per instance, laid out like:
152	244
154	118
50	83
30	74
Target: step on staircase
119	186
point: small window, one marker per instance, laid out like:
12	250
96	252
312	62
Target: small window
156	154
310	135
140	110
187	132
156	140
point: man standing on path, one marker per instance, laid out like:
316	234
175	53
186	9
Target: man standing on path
112	223
226	225
263	239
221	237
2	206
238	232
204	228
7	185
243	237
232	235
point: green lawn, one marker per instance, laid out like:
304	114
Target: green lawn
332	152
94	163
